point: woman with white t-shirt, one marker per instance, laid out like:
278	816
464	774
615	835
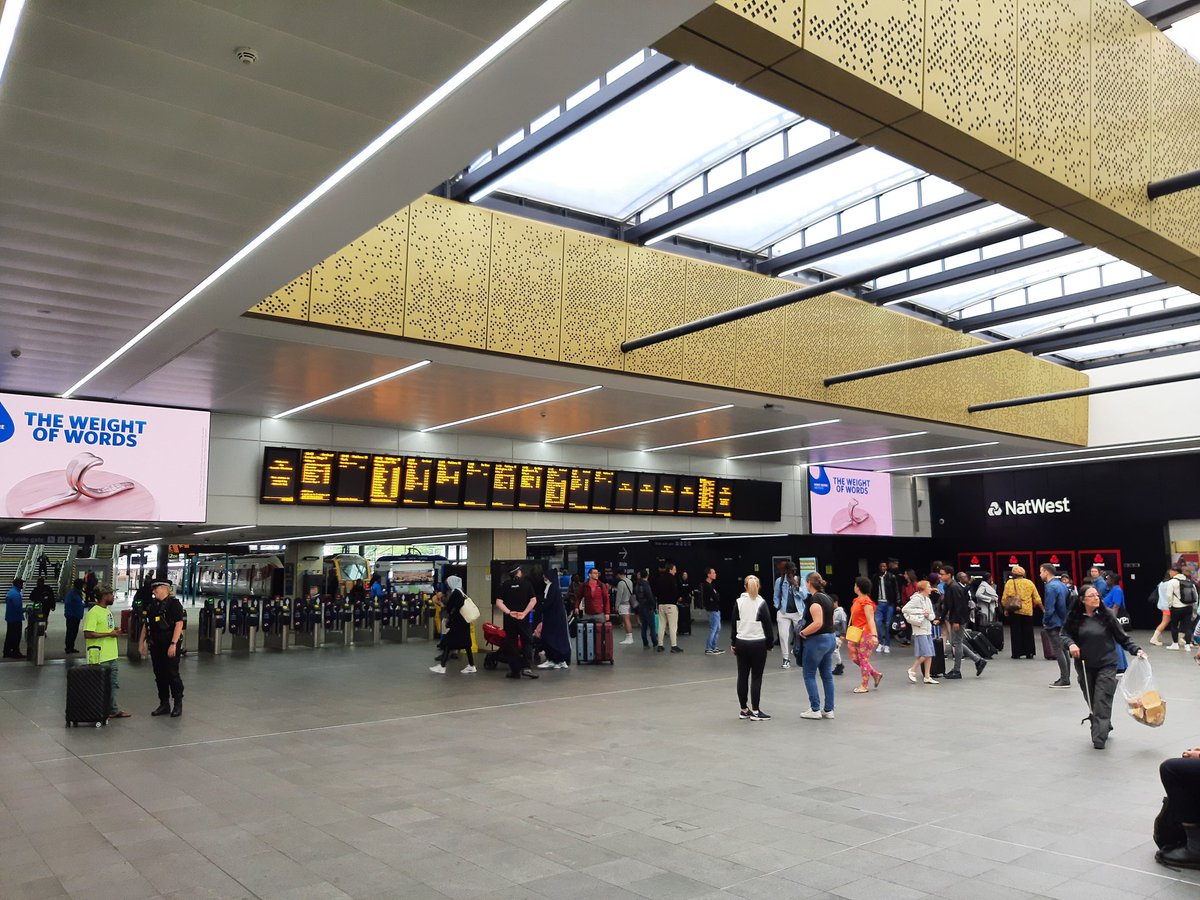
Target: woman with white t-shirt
752	639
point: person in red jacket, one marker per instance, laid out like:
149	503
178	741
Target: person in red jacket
596	601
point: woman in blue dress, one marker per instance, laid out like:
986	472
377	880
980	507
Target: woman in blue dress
1115	600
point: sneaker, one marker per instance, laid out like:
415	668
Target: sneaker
839	669
628	639
827	715
810	714
759	716
676	649
546	665
718	652
1060	684
1155	641
745	714
438	670
561	665
980	665
528	673
912	676
469	670
787	664
953	675
1172	646
659	647
708	651
886	649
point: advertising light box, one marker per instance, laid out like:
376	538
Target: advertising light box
845	501
83	459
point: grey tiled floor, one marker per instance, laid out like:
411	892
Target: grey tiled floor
356	772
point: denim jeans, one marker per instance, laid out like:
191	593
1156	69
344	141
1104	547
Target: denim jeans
649	633
884	613
714	630
114	683
818	654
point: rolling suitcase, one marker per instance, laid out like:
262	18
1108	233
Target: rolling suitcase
994	632
980	644
685	618
937	666
585	643
604	643
1048	649
89	695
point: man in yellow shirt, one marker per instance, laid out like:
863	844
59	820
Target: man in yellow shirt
101	632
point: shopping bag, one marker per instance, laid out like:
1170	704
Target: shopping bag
1142	697
469	611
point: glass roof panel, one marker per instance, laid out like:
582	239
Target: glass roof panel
643	148
760	220
1171	338
1166	298
1186	33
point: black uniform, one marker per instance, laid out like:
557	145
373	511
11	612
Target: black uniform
161	616
516	595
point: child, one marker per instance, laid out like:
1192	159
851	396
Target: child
919	613
839	628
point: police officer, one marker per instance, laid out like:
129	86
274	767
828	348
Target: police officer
517	600
163	629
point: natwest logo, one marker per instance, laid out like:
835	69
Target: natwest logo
1032	507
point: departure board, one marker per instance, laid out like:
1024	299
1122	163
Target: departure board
579	494
418	478
558	482
387	477
280	475
477	482
647	490
504	485
349	478
316	476
353	478
706	497
625	490
447	483
604	485
531	486
667	487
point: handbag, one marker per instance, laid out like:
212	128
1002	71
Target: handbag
854	634
469	611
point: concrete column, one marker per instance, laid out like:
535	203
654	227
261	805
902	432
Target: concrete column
304	558
484	545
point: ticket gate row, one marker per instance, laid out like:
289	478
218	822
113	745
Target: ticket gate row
243	625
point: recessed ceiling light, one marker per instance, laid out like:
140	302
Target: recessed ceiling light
833	462
683	415
872	440
512	409
9	16
744	434
353	389
416	114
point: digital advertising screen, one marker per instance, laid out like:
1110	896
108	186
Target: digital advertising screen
846	501
83	459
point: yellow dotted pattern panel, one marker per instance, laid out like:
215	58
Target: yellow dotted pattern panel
595	276
784	18
656	300
708	357
526	288
1121	109
1176	149
971	67
1054	108
880	41
362	285
765	342
448	273
289	302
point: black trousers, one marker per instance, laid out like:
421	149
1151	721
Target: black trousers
1181	780
12	638
1021	628
1181	620
522	656
166	673
1098	686
446	651
751	660
72	632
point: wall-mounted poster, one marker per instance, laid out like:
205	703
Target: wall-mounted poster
845	501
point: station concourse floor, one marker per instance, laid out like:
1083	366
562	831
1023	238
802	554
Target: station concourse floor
356	772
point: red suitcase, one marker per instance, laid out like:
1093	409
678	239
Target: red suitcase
604	643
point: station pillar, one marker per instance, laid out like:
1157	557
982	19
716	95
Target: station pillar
303	558
484	545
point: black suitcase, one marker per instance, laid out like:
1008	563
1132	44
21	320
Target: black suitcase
937	667
980	644
994	632
685	618
89	695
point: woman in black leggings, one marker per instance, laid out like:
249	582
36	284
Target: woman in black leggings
458	633
1177	828
753	637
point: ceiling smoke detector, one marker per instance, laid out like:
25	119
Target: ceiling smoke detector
246	56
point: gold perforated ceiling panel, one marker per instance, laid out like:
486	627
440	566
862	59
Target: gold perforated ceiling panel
448	273
595	277
879	42
362	285
1176	114
525	291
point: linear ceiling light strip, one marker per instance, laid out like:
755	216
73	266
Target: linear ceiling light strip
870	440
1063	462
512	409
284	538
834	462
1104	449
412	117
352	389
684	415
220	530
9	18
744	434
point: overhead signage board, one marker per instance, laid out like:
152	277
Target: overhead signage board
77	540
293	476
111	462
847	501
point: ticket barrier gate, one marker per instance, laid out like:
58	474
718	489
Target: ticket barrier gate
213	625
245	619
308	622
137	621
394	619
35	633
339	621
368	622
277	623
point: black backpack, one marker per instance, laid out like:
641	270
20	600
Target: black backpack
1187	592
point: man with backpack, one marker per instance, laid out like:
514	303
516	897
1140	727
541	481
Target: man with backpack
1181	600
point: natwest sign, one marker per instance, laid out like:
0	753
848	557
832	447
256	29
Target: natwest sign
1032	507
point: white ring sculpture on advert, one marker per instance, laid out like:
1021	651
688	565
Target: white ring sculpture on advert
76	469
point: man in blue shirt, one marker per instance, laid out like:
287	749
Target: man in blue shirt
788	597
1053	619
14	615
1099	581
73	612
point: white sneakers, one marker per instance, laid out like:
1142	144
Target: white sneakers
1155	641
438	670
886	649
811	714
546	665
469	670
628	639
1172	646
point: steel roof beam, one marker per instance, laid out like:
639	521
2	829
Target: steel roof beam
1059	304
1134	356
1165	13
1082	392
869	234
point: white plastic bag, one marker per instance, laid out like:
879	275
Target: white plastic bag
1142	697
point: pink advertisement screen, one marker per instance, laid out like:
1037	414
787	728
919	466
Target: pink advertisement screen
843	501
82	459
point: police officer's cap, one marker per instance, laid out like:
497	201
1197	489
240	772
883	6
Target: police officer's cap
155	584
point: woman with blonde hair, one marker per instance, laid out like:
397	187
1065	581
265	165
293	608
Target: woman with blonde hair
919	613
752	638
